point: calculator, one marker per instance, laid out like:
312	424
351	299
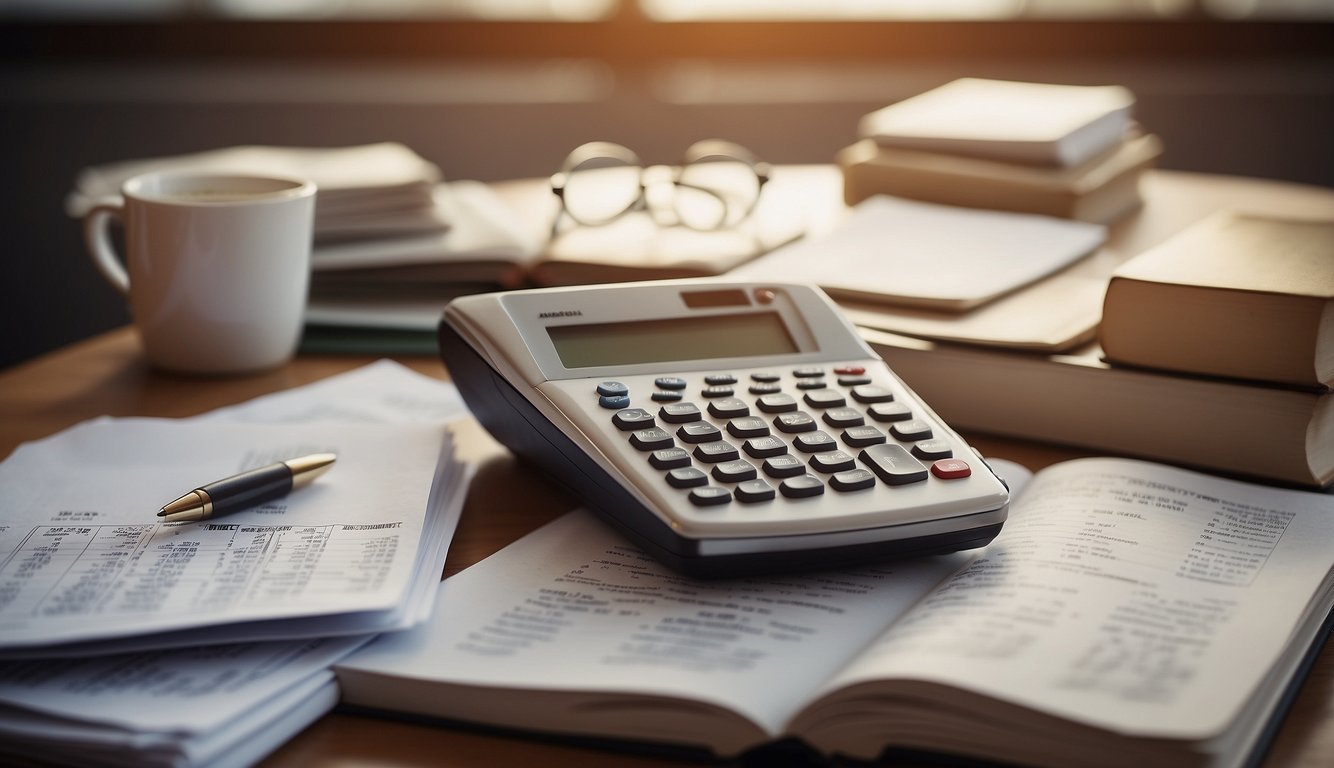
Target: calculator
725	428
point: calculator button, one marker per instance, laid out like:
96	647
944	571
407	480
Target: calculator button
860	437
666	396
802	486
872	393
734	471
669	382
748	426
833	461
729	408
849	370
698	432
680	413
893	464
651	439
852	480
951	469
687	477
718	390
932	449
752	491
814	442
890	412
764	377
853	381
709	496
612	389
764	447
764	389
786	465
808	372
911	430
825	398
716	452
630	419
669	458
719	378
811	384
843	417
614	401
780	403
795	422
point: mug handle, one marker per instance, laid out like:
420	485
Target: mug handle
99	243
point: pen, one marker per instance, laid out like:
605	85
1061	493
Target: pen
247	489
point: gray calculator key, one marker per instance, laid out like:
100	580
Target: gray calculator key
729	407
651	439
710	495
824	398
719	378
613	401
911	430
748	426
893	464
890	412
815	442
666	396
791	423
753	491
766	377
808	372
698	432
811	384
629	419
860	437
779	403
872	393
802	486
734	471
669	458
669	382
718	390
853	381
933	449
687	477
680	413
786	465
832	461
717	452
764	447
765	389
843	417
853	480
612	388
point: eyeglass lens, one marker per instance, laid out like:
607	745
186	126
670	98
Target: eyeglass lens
715	192
599	189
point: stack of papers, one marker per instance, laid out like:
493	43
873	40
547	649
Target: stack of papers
133	642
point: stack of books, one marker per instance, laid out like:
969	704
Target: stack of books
1058	150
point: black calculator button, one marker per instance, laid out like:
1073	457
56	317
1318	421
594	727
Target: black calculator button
853	381
629	419
932	450
860	437
666	396
687	477
764	377
612	388
680	413
795	422
808	372
718	390
613	401
729	408
709	496
734	471
825	398
872	393
893	464
669	458
852	480
811	384
815	442
719	378
753	491
716	452
786	465
802	486
890	412
698	432
779	403
843	417
651	439
832	461
765	389
911	430
669	382
748	426
764	447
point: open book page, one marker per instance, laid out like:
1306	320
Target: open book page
1143	599
574	608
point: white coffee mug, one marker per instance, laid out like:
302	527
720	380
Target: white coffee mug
217	267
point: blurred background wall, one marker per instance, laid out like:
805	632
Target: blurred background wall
495	89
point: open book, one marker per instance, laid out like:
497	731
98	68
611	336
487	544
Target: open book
1129	613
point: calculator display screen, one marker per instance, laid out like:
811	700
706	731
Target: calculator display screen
682	338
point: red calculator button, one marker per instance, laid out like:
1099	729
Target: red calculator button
951	469
849	370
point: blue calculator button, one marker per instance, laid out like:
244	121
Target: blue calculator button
614	401
670	382
612	389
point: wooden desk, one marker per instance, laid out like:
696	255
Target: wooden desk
107	375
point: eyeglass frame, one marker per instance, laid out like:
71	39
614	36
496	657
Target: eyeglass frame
704	148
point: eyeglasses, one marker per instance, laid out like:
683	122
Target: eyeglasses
716	186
